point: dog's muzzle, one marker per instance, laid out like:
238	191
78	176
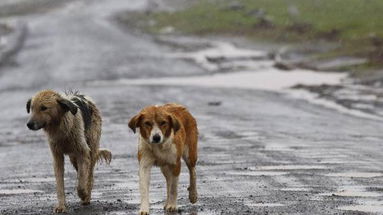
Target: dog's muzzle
33	125
156	138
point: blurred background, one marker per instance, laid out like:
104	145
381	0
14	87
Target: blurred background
287	94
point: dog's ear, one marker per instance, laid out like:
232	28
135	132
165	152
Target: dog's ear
67	105
175	124
29	105
135	122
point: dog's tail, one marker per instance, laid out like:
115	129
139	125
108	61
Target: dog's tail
104	155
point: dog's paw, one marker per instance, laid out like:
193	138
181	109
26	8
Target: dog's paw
142	212
85	202
193	196
170	207
59	209
83	194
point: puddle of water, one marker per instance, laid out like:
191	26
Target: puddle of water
288	167
96	195
258	173
277	147
250	135
220	51
370	206
270	79
37	180
363	208
265	205
125	185
159	206
295	189
366	98
248	64
313	99
18	191
356	174
256	72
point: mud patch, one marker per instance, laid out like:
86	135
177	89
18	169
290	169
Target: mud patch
356	174
258	173
363	208
289	167
19	191
295	189
353	192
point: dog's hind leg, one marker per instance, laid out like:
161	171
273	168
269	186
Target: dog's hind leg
84	167
90	178
193	196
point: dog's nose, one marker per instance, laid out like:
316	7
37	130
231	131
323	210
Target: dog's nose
30	125
156	138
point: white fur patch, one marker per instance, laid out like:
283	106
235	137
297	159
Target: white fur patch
156	131
167	152
164	152
144	174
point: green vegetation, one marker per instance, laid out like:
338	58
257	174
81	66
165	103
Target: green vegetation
357	25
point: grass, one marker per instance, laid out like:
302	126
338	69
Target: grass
357	25
354	19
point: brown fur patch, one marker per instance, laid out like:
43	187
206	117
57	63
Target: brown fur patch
179	129
62	121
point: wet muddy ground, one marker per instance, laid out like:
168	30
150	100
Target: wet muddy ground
260	152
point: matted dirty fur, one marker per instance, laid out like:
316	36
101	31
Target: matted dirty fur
72	124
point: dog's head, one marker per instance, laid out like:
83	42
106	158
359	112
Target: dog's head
47	108
155	124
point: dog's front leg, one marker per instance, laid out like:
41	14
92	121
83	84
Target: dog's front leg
144	174
172	199
83	163
58	164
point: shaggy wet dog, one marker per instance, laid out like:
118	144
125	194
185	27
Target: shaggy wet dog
72	123
167	133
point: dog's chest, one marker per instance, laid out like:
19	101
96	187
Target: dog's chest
64	145
166	154
68	143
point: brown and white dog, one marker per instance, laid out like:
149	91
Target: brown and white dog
73	126
167	133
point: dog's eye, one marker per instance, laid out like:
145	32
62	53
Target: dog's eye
43	108
148	124
162	123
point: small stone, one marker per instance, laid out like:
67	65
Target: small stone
214	103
